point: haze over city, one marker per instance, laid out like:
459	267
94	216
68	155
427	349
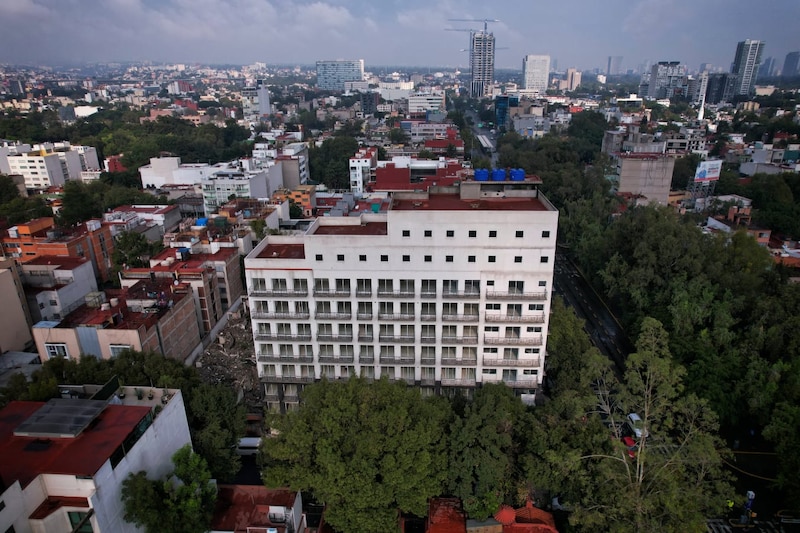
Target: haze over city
580	34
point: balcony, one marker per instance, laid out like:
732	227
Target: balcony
460	318
396	294
326	337
282	337
263	316
363	293
518	319
523	384
460	340
427	382
396	338
514	295
469	294
287	379
271	358
392	360
511	362
345	293
336	359
464	382
427	340
427	361
366	359
514	341
333	316
364	316
428	318
277	292
425	293
459	362
396	316
365	338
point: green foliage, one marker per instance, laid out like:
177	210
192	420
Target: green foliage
330	163
398	136
182	503
366	450
78	204
8	189
259	227
20	209
133	249
295	210
217	421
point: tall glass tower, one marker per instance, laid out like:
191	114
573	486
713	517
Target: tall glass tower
745	65
481	60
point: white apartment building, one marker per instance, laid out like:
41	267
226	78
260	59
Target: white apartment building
424	102
220	186
48	164
331	75
447	289
56	286
535	73
170	171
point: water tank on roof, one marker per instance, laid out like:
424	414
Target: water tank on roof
202	221
499	174
481	174
376	208
517	174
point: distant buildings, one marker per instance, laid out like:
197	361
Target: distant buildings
745	65
791	65
535	73
422	102
666	79
481	61
572	81
255	102
614	66
47	164
331	75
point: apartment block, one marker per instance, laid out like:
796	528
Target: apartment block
15	335
446	289
55	286
331	75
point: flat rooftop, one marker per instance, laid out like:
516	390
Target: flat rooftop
370	228
25	458
453	202
283	251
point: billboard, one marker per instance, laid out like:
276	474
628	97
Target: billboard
708	171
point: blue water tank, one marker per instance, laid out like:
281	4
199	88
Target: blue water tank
202	222
481	174
499	174
517	174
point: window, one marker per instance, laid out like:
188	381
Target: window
343	285
516	287
451	233
428	310
543	284
519	234
56	350
428	286
518	259
301	285
53	303
117	349
490	371
448	258
472	286
473	233
533	329
493	233
544	259
428	258
535	307
319	257
449	286
259	285
406	233
491	329
278	284
470	259
428	233
406	258
362	258
76	517
340	257
545	235
384	258
492	259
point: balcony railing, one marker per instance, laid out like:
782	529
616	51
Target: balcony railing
396	338
427	340
460	318
333	316
366	359
427	361
268	358
336	358
514	295
523	384
524	319
470	294
388	293
323	337
514	341
282	337
364	293
302	316
332	292
364	316
277	292
426	293
511	362
392	360
465	382
460	340
428	318
287	379
365	337
427	381
395	316
459	362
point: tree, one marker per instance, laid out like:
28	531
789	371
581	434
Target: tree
183	503
368	450
217	422
295	210
78	204
8	189
259	227
398	136
133	249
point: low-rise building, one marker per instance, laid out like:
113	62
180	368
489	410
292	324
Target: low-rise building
15	333
55	286
647	175
244	508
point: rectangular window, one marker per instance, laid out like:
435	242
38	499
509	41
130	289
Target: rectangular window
340	257
519	234
543	284
536	307
545	235
428	233
117	349
492	259
448	258
319	257
473	233
470	259
518	259
451	233
428	258
493	233
406	258
362	258
384	258
56	350
75	518
544	259
406	233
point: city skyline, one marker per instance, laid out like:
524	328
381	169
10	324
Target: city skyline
394	33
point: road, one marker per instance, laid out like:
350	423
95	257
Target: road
476	151
602	326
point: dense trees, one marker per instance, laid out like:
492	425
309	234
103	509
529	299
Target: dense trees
183	502
82	201
330	163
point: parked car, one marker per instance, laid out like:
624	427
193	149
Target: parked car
637	425
631	445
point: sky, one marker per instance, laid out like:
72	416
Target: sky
576	33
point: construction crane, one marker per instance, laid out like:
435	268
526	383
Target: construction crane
485	23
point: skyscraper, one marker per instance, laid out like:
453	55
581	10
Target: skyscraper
535	73
331	75
745	65
614	65
791	65
481	61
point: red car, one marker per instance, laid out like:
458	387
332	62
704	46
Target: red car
631	445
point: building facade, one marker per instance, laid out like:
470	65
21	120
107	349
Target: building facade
791	65
481	63
446	289
331	75
535	73
647	176
745	65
